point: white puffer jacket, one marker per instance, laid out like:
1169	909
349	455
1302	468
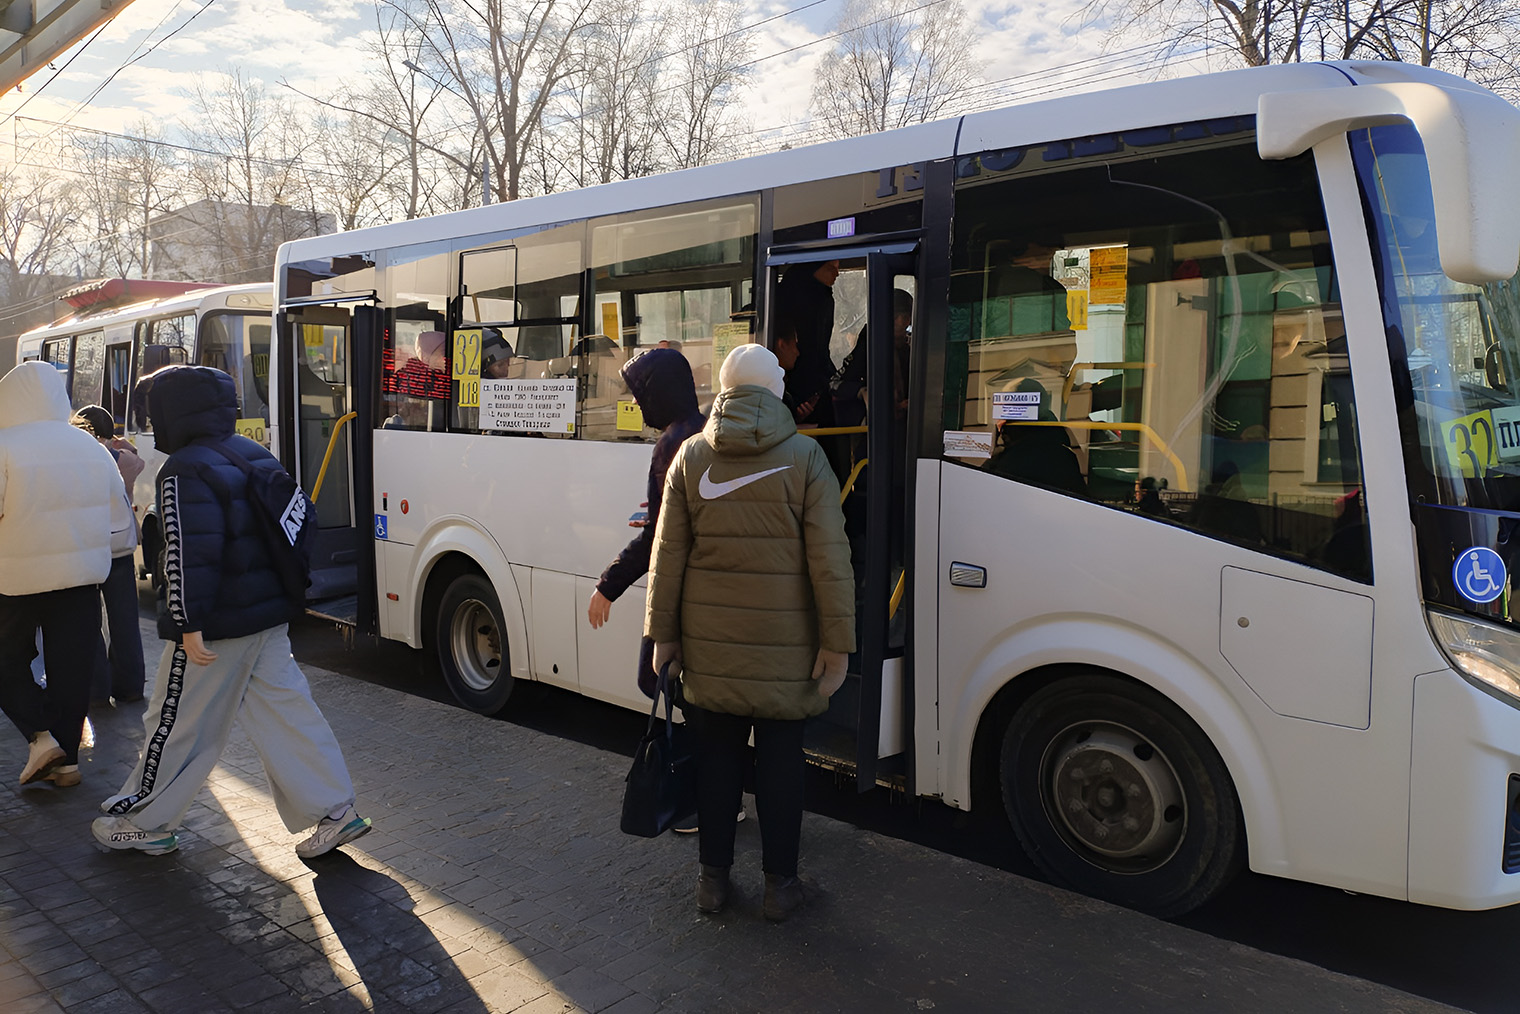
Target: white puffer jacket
58	488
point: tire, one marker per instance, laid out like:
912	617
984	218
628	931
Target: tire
1114	792
471	645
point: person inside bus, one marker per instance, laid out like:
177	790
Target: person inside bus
805	303
124	677
495	355
751	592
1041	454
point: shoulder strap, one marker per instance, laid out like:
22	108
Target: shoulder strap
237	459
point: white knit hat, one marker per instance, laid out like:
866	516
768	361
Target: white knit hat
755	365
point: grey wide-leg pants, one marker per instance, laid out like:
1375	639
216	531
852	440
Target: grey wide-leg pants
254	680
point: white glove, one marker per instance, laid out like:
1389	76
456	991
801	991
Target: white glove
829	670
666	651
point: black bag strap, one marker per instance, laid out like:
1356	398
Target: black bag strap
237	459
662	689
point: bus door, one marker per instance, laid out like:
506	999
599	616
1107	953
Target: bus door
864	429
327	436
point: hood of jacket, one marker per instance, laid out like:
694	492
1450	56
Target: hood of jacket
661	381
33	392
189	403
747	420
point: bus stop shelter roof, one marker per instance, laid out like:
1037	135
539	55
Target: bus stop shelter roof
33	32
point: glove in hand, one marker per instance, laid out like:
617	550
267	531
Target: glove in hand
666	651
829	670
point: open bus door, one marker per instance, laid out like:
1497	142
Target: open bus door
868	726
327	442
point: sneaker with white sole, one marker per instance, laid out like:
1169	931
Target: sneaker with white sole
43	755
121	833
64	775
332	832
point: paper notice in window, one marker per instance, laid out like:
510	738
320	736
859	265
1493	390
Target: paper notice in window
1023	406
629	418
1110	269
726	338
531	406
963	444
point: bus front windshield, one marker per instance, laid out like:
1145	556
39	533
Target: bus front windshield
1455	353
1455	347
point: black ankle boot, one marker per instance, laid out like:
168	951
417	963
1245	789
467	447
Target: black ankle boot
712	888
783	896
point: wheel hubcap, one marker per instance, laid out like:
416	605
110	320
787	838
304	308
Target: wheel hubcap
1114	796
476	644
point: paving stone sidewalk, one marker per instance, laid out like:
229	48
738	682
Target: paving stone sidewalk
496	880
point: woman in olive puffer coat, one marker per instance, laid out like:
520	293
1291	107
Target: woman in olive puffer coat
751	590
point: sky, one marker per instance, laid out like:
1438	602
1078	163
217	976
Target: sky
143	65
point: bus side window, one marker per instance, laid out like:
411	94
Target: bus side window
1119	347
678	278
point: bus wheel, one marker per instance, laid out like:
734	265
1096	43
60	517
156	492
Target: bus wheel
1114	792
472	644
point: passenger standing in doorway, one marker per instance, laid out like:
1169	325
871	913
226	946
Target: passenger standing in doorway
751	591
58	491
805	305
124	677
224	610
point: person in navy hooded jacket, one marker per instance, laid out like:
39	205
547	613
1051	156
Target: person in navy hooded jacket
660	380
225	614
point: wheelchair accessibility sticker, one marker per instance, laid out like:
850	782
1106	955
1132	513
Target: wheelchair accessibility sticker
1479	574
381	526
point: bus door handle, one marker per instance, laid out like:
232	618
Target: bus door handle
968	575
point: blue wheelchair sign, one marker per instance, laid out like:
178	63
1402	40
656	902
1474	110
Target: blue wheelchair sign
1479	574
380	526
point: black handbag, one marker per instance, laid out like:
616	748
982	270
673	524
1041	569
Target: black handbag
662	784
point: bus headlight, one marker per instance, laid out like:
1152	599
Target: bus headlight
1487	654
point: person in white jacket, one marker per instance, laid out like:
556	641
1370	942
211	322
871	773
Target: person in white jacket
58	489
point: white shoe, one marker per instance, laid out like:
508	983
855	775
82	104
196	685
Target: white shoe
42	757
332	832
121	833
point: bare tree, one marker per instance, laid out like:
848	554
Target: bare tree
503	60
126	181
702	84
606	121
38	212
249	187
895	62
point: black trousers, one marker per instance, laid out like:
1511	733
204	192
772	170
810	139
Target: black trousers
71	644
124	678
723	759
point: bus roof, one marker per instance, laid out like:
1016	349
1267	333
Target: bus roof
257	296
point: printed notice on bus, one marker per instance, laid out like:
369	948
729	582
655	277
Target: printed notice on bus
965	444
1023	406
528	406
726	338
1110	269
629	418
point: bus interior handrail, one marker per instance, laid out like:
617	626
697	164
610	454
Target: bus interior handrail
332	441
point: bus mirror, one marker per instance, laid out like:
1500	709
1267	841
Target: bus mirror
1472	144
154	357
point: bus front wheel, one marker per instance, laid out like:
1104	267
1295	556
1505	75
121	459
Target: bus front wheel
472	644
1113	791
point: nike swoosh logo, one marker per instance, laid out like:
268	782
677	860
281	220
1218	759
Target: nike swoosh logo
712	490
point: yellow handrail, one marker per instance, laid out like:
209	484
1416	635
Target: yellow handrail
849	484
332	442
897	594
830	431
1133	427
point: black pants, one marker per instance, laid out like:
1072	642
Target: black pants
723	758
124	678
70	622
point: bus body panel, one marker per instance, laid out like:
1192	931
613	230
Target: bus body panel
1343	822
1467	744
410	567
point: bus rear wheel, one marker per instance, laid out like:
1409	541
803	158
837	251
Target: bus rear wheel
1113	791
471	643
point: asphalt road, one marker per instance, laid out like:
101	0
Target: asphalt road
1459	958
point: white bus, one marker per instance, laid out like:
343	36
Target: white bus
1202	495
124	329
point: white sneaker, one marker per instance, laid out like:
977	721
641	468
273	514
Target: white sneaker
121	833
332	832
43	756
